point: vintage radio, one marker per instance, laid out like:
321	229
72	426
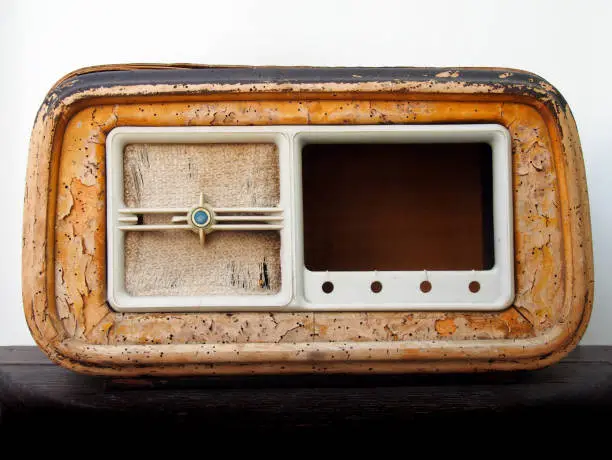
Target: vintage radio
186	220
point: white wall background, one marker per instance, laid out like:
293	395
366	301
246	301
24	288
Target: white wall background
566	42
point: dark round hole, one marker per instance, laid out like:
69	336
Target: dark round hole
327	287
474	286
376	287
425	286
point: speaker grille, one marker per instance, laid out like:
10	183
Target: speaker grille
174	263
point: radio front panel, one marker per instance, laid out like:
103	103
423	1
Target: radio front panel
187	220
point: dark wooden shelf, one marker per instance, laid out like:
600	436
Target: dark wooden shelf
35	391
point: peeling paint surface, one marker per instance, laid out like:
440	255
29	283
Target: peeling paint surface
538	233
549	227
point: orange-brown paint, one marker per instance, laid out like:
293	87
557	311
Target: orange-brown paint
78	325
445	327
84	146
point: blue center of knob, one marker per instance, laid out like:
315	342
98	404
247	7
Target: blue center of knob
201	217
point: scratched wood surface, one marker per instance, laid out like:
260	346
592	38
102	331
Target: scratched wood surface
553	260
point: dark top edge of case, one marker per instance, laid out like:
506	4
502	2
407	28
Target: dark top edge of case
509	81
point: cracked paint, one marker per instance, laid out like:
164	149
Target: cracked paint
547	211
535	192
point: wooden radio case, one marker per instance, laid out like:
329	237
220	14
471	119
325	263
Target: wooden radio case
186	220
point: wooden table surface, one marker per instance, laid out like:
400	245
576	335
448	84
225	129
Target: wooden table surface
35	392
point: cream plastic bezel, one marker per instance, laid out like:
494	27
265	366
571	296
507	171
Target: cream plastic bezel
301	288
